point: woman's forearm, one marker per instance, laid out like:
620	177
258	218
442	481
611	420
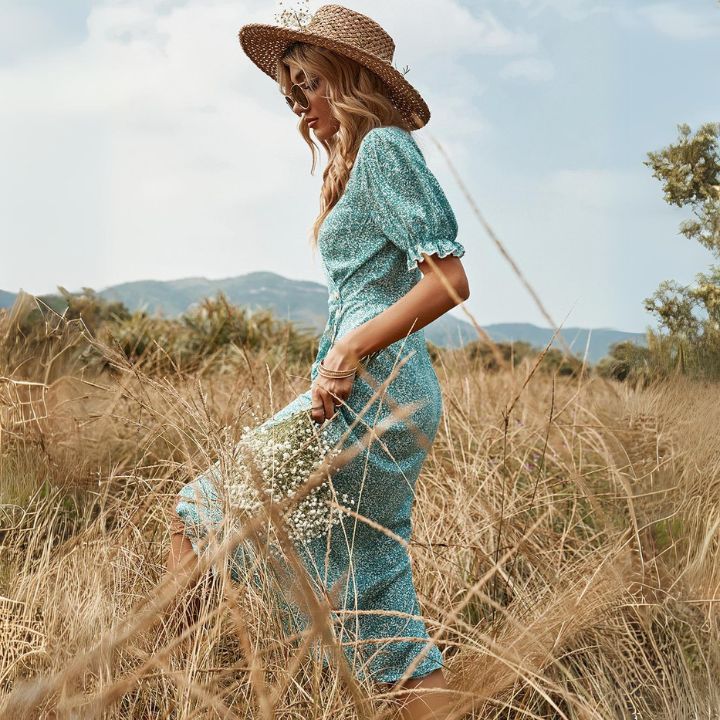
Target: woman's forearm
425	302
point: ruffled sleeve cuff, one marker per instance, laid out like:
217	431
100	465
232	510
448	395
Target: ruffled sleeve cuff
443	248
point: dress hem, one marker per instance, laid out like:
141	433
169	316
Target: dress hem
425	668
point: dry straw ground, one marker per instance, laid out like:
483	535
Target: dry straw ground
566	547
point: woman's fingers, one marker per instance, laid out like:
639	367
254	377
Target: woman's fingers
329	402
338	391
318	406
323	406
326	397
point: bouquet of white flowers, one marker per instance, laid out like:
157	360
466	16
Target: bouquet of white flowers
286	453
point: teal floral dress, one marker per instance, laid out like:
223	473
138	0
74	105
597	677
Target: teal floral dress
392	211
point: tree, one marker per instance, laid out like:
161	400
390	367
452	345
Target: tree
690	173
689	315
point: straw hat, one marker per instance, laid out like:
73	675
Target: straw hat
348	33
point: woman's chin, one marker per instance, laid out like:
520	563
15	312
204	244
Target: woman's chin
321	133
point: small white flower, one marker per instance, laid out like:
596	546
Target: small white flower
286	453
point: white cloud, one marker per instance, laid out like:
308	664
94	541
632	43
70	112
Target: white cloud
437	27
573	10
679	22
533	69
681	19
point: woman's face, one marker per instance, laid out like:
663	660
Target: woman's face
325	125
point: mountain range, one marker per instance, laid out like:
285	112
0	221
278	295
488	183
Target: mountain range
304	303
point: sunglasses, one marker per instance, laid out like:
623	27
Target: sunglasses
298	95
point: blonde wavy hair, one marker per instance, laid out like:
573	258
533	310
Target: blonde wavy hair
358	102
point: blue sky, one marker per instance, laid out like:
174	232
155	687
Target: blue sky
138	142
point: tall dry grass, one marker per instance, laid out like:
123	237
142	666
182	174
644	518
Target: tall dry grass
566	548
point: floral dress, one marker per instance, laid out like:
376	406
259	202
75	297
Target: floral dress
392	211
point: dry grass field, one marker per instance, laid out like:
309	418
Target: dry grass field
566	548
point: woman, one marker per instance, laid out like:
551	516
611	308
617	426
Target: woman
388	241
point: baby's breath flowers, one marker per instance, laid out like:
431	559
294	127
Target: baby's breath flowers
297	17
286	453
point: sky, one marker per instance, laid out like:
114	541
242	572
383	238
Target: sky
138	141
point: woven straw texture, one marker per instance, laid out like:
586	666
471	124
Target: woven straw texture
348	33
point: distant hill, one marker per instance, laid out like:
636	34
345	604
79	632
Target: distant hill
305	303
600	338
6	299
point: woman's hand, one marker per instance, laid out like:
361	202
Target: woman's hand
327	393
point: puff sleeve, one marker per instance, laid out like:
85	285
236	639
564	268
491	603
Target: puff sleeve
406	199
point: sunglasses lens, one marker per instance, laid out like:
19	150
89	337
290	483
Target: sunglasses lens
300	97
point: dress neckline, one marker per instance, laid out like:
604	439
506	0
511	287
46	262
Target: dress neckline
354	168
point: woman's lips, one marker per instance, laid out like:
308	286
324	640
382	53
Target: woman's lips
312	123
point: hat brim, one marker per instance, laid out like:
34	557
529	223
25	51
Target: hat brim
265	44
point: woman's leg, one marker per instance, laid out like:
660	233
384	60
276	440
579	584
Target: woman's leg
427	698
181	566
180	549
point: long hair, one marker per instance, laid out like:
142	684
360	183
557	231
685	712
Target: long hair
358	102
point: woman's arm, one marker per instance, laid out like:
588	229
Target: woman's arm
428	300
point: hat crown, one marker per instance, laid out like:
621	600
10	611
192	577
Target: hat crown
340	23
